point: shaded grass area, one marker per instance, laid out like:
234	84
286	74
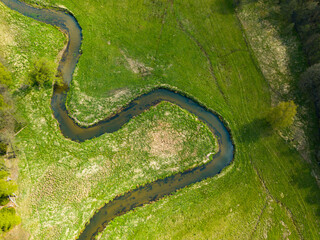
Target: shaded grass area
198	47
281	58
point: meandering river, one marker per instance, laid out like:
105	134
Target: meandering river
152	191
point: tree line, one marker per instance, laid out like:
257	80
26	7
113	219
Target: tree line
8	216
305	15
42	73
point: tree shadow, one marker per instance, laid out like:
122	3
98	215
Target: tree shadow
297	63
229	7
260	128
307	185
256	129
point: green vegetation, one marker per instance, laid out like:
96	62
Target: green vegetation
310	83
6	187
281	59
8	219
5	76
42	73
6	111
282	115
61	178
304	17
84	176
128	48
2	103
3	148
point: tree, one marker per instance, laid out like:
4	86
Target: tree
310	82
8	219
306	17
3	149
7	111
3	173
42	73
282	115
5	76
2	103
7	188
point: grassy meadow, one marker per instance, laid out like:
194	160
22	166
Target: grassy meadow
58	177
130	46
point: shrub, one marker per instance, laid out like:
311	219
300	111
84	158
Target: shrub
7	188
5	76
3	172
3	148
2	103
8	219
4	201
42	73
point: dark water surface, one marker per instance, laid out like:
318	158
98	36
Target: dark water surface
144	194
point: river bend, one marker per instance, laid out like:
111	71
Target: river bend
67	23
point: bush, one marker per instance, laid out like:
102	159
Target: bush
4	201
8	219
5	76
3	171
3	148
2	103
282	115
42	73
7	188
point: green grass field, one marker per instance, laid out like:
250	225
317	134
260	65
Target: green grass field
128	48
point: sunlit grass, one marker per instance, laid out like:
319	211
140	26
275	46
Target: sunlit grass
181	41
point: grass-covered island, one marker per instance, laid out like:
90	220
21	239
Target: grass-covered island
238	60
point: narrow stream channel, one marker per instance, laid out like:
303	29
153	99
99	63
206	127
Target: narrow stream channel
147	193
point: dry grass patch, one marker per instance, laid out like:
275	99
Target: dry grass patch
17	233
165	141
52	187
137	67
7	37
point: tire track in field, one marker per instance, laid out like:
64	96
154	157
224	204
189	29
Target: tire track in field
204	53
